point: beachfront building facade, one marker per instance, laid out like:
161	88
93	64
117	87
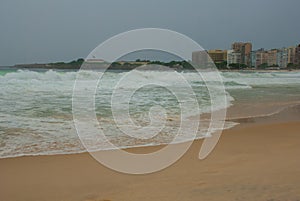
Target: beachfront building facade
242	55
253	59
245	50
218	56
233	57
291	54
261	57
200	58
282	57
272	57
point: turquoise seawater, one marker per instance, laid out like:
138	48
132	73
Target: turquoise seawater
36	106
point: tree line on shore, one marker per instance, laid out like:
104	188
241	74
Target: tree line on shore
128	65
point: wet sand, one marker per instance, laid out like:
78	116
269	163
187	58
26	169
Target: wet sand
256	160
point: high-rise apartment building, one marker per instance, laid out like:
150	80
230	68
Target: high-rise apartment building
282	57
245	50
261	57
272	57
253	59
291	55
233	57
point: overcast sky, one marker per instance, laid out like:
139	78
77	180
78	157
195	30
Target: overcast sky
62	30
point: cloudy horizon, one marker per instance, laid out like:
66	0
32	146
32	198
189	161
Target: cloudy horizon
48	31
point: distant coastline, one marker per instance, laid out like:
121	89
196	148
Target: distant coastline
130	65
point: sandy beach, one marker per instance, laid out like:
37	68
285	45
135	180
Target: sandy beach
149	101
256	160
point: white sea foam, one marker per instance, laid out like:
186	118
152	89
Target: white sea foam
36	107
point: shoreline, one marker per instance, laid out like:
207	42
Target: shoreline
255	160
284	108
242	120
252	161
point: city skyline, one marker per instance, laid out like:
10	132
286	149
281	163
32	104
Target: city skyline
241	55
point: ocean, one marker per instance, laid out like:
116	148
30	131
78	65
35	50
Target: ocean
36	105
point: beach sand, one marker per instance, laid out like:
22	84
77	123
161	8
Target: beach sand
256	160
